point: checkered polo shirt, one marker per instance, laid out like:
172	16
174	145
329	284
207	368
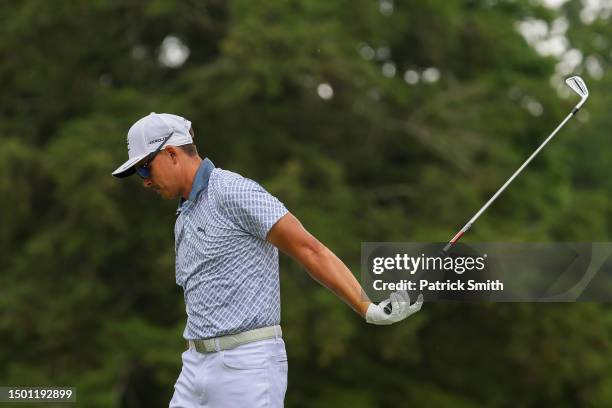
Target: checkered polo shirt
227	269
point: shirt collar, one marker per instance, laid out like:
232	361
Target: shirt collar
200	182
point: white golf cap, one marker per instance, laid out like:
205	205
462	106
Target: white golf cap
146	134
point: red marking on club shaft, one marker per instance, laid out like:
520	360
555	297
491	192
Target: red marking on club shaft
456	237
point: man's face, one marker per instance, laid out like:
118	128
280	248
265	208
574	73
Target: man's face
163	178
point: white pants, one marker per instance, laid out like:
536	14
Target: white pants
252	375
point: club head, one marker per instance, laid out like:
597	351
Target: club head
577	84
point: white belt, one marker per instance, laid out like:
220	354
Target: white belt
234	340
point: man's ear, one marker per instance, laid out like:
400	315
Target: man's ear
172	152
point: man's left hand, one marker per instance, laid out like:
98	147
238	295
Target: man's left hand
400	309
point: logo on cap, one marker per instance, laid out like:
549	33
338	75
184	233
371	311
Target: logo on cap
157	140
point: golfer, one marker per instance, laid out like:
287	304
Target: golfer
227	234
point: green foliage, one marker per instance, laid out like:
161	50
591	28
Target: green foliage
88	293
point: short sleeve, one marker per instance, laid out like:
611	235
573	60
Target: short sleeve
251	207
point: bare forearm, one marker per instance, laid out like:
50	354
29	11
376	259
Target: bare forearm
326	268
289	236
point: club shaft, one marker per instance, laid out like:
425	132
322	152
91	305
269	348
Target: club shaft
469	224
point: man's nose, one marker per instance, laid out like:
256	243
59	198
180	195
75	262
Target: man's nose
146	182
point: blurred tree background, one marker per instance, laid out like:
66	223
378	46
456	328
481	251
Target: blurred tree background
371	120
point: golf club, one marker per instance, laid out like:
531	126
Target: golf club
577	85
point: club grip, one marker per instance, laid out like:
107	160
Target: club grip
388	309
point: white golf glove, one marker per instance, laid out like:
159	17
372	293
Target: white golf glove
401	309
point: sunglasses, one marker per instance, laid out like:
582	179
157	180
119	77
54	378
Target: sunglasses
144	170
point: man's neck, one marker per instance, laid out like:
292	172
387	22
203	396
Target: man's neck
190	171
